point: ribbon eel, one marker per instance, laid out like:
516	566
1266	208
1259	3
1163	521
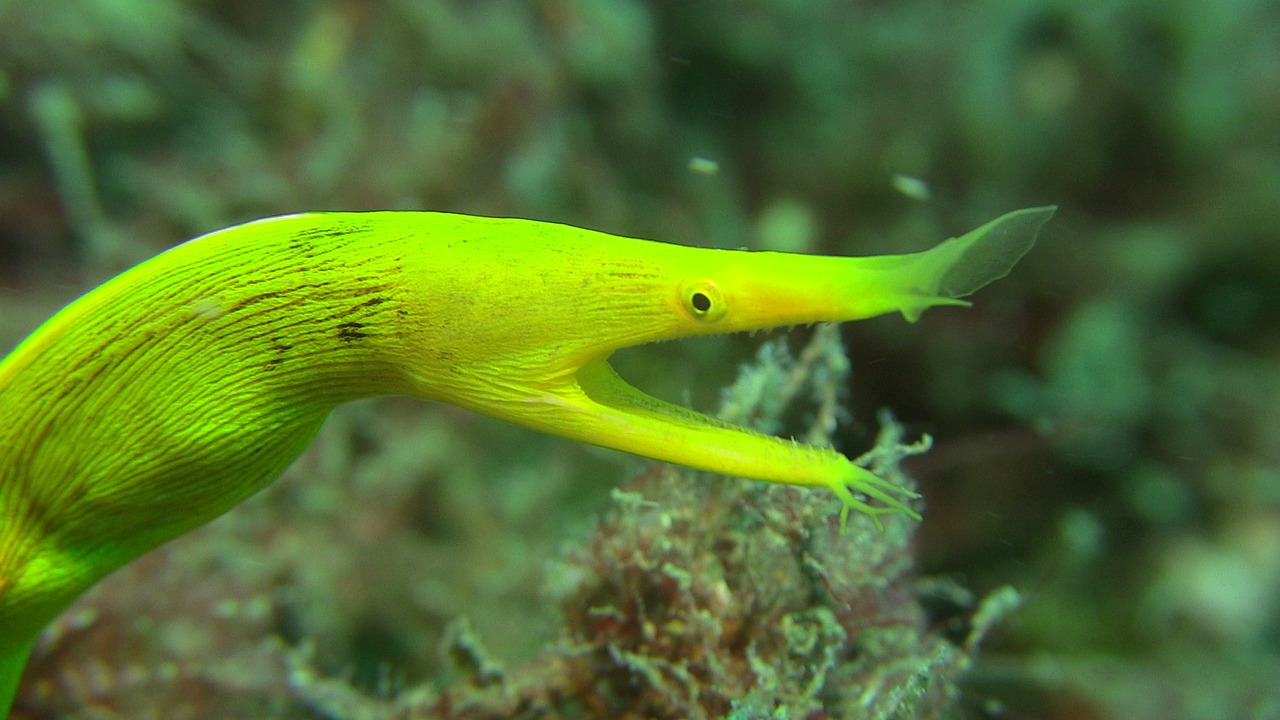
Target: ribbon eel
181	387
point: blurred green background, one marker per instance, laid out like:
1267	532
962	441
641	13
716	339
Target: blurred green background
1107	419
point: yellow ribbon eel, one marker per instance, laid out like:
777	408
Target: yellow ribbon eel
169	394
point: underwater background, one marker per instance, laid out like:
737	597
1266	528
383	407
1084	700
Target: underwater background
1101	533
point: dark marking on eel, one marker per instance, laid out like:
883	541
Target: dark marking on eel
351	331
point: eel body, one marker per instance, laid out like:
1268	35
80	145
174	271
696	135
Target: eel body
174	391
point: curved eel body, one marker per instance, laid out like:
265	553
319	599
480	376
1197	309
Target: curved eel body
169	394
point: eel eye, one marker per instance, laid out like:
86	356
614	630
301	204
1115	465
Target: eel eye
702	300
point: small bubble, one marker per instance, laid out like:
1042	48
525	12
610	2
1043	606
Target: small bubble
703	166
